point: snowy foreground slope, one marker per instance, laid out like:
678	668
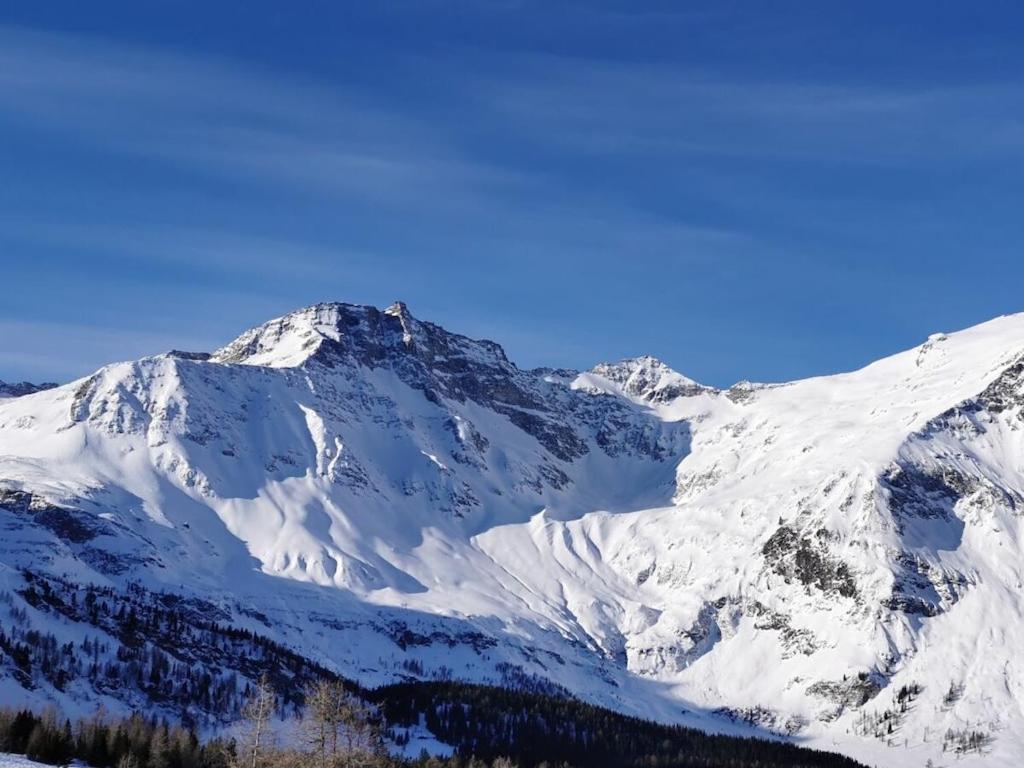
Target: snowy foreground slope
836	560
18	761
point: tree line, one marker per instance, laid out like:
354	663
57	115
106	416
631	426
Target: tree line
337	730
104	742
538	729
486	727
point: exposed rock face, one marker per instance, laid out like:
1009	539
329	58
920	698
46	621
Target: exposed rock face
64	523
808	560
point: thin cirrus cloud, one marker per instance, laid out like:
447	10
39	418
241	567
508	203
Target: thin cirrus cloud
45	351
217	116
208	255
626	108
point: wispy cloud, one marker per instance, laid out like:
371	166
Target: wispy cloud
625	108
218	117
217	254
43	351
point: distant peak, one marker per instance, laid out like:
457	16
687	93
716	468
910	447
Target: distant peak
643	378
644	366
645	362
19	389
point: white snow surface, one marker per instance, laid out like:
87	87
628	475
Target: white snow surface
654	545
418	739
8	760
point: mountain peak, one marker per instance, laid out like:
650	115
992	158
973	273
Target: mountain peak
361	334
644	378
18	389
291	339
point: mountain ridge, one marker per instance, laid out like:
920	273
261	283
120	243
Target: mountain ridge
22	388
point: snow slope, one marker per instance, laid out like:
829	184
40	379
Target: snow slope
18	761
385	496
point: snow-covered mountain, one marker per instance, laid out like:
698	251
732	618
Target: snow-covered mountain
838	559
17	389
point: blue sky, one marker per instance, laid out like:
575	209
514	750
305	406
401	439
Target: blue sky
746	190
